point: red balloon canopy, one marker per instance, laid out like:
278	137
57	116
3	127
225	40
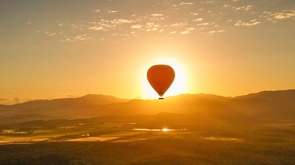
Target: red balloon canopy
160	77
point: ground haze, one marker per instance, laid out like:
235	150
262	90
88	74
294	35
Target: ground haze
205	129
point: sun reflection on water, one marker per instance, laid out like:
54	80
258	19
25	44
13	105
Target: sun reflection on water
165	130
157	129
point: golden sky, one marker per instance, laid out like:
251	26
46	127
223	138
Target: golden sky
55	49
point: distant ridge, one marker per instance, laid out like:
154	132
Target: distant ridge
265	105
57	108
93	99
89	99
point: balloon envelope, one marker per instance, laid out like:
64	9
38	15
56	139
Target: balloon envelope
160	77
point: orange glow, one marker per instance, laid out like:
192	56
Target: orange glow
110	50
178	86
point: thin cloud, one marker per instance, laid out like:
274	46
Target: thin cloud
186	3
76	38
273	17
67	40
243	7
112	11
215	31
284	14
178	24
96	28
81	37
49	34
251	23
135	26
157	15
209	1
184	32
121	21
150	24
198	19
190	29
203	24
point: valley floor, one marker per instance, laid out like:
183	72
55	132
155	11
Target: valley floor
94	142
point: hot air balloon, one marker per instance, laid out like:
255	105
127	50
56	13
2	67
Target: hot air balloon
160	77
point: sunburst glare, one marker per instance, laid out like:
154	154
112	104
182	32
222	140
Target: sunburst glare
178	86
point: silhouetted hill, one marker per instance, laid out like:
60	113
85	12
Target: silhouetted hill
280	96
57	108
267	105
262	106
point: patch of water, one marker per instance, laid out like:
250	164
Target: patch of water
222	138
157	129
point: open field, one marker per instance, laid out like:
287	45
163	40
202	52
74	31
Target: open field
115	140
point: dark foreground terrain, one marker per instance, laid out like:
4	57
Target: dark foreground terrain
160	139
202	129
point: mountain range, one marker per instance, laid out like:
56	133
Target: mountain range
262	106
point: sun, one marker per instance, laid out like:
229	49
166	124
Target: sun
178	86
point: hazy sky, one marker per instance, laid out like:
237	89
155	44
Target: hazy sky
66	48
